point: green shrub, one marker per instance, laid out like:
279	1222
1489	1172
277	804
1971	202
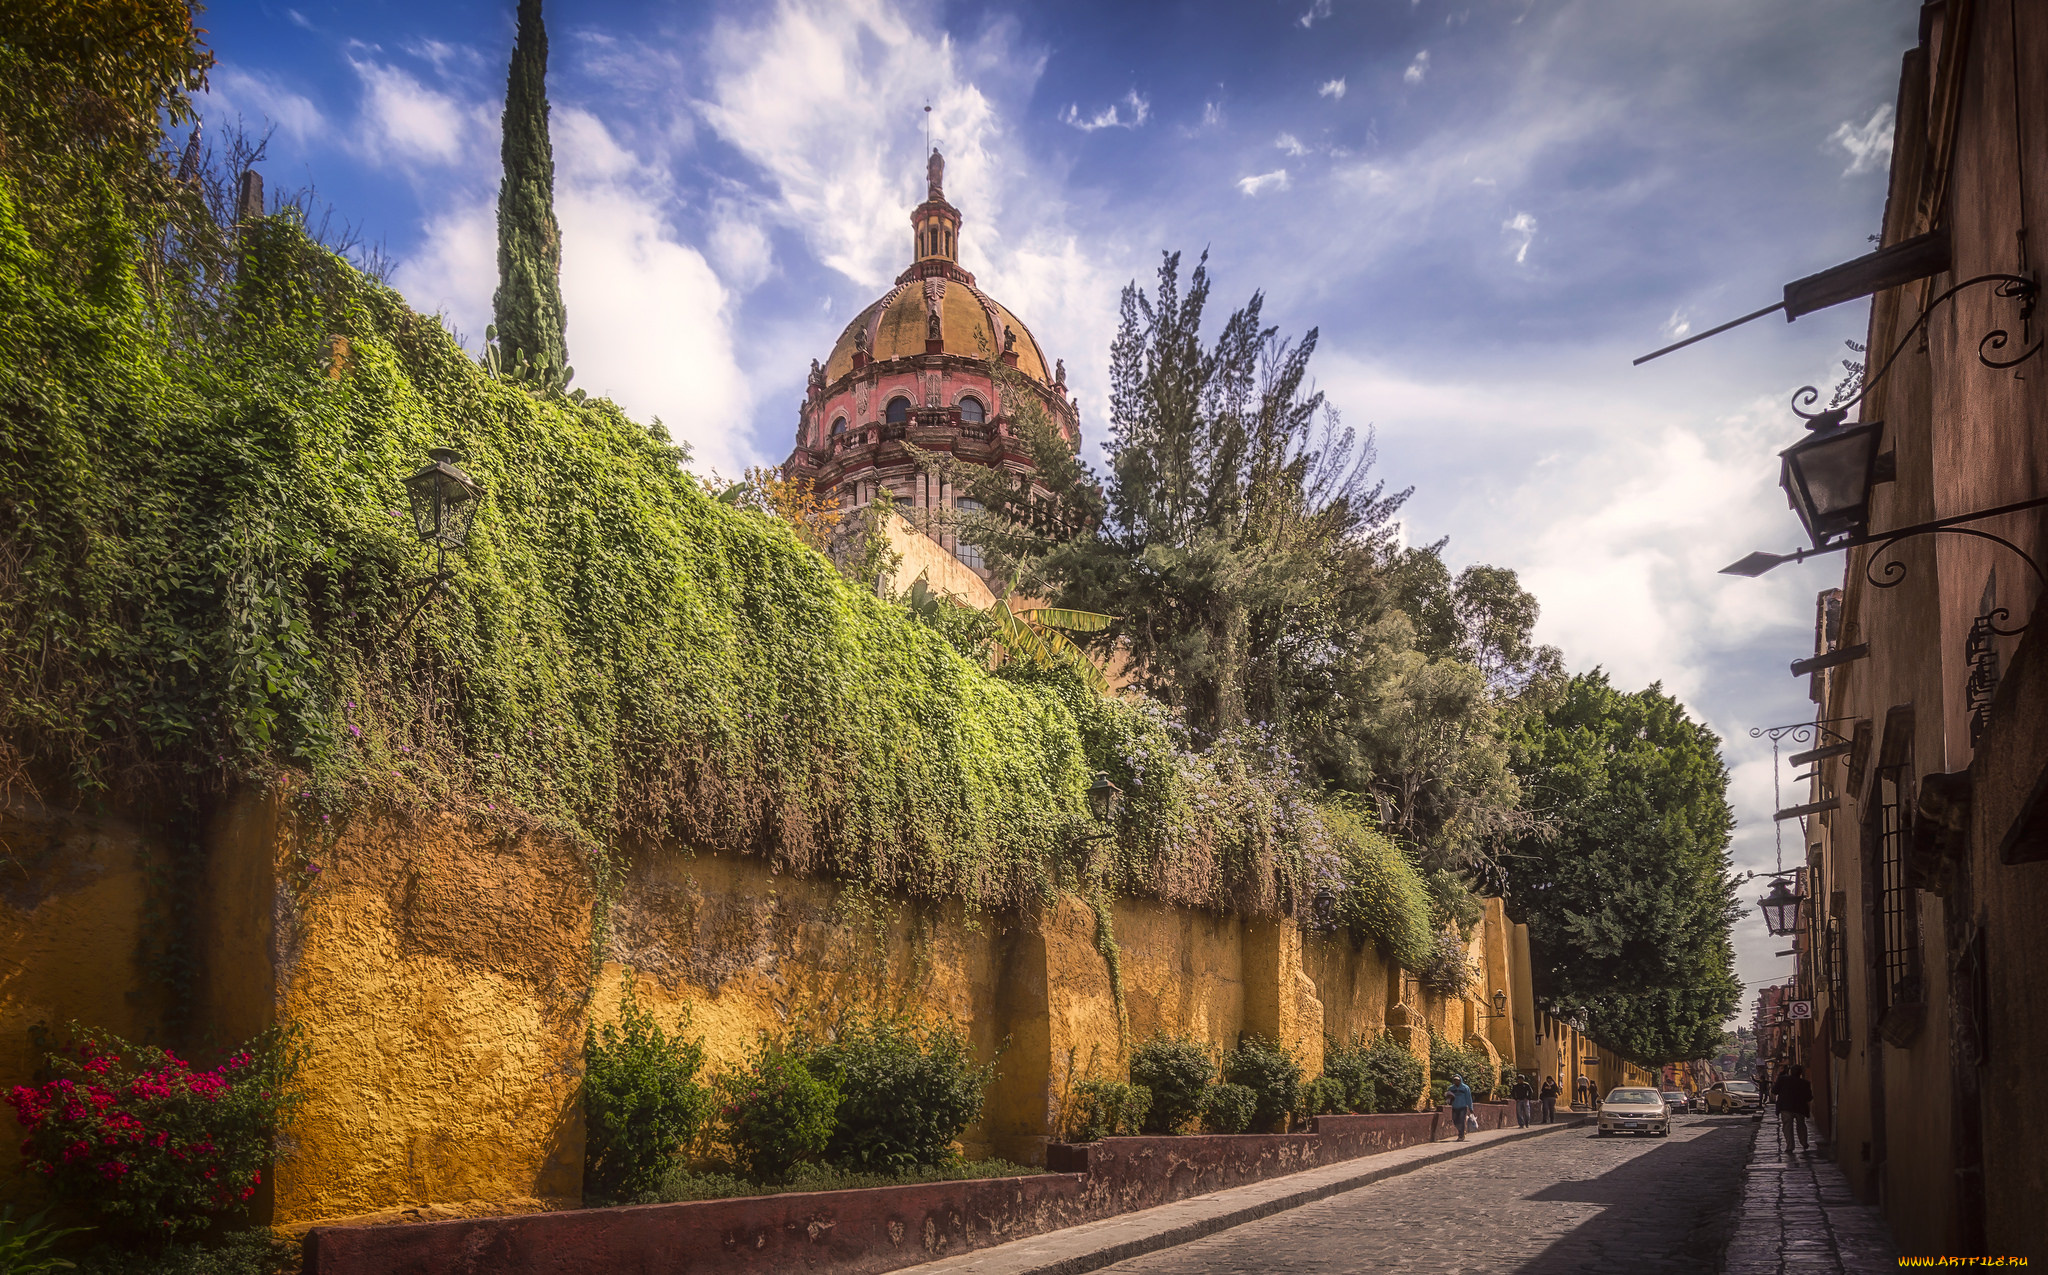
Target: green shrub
1323	1096
1106	1108
1228	1108
1447	1059
1447	970
1351	1066
154	1146
906	1091
642	1103
1506	1084
1273	1076
1396	1075
253	1252
25	1245
1384	900
775	1113
1176	1070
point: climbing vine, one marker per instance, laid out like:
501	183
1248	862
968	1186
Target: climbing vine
205	554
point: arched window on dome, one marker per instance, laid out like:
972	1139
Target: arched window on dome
838	425
971	411
898	410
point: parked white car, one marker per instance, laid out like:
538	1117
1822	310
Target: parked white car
1635	1111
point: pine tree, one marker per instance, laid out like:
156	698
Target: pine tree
532	324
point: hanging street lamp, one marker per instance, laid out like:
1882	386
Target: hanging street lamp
1781	908
1102	797
1828	476
444	504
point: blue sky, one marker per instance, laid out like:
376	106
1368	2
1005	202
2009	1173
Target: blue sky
1486	208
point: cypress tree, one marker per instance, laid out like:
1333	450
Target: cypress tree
532	324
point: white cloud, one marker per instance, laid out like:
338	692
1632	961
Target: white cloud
1417	69
254	95
1131	112
1259	185
1317	11
403	119
809	93
1289	143
1523	227
1331	88
740	249
1869	147
1677	325
1212	114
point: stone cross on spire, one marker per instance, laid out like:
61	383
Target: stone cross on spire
935	176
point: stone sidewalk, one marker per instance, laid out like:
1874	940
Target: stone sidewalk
1094	1245
1798	1216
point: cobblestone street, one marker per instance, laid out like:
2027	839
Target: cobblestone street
1567	1202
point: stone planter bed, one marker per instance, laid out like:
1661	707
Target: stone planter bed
872	1230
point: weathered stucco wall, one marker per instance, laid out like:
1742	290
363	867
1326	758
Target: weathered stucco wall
73	898
440	972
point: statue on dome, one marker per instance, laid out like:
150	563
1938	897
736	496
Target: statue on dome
1009	341
935	176
932	331
1059	372
860	340
817	375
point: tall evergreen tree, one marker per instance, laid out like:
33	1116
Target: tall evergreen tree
532	324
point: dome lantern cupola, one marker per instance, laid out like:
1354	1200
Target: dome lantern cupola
935	223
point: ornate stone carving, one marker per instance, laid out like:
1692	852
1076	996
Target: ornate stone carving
860	403
934	391
817	376
932	331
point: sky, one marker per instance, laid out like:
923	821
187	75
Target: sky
1485	210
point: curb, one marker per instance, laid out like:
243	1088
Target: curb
1108	1254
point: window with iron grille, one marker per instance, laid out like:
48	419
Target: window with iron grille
1836	957
1897	925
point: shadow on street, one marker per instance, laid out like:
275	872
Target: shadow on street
1691	1186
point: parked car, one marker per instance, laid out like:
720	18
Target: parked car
1678	1100
1727	1097
1635	1111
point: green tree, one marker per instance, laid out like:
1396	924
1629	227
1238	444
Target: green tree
532	323
1627	892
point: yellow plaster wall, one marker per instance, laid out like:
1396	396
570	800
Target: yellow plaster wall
438	971
72	900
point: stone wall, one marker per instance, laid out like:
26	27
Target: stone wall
441	970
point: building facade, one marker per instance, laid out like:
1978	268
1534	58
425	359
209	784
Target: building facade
922	368
1924	926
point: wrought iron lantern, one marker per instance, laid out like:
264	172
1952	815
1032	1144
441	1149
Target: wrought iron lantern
1102	797
444	501
1828	476
1781	908
1500	1002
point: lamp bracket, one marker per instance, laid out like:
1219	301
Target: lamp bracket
2009	286
1894	571
1802	732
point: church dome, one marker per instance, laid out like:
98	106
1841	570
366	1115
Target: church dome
971	324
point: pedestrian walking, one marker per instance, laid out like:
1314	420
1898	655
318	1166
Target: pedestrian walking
1525	1099
1461	1104
1794	1093
1550	1091
1582	1090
